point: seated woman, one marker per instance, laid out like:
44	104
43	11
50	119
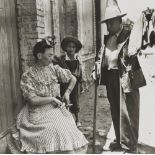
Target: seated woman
44	124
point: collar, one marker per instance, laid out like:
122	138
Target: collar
41	66
75	57
121	36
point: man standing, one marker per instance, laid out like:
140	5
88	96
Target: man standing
114	67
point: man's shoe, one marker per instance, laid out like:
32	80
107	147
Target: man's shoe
115	146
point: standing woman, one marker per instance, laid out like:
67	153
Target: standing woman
72	62
44	124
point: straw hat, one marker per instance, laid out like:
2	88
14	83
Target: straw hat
112	12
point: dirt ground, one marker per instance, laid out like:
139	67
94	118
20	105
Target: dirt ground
103	117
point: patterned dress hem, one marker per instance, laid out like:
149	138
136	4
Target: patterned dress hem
55	149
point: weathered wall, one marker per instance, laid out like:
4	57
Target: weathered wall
47	17
27	27
87	33
10	95
71	23
68	25
38	18
34	23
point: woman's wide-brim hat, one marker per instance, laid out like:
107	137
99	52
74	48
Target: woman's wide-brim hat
67	40
112	12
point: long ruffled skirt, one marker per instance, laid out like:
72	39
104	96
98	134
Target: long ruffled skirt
49	130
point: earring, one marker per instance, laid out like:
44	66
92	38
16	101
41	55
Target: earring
39	56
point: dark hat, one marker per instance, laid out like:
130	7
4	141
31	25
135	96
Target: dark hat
66	40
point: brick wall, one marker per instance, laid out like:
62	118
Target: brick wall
27	23
33	25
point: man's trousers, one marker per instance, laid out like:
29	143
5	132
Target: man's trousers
124	111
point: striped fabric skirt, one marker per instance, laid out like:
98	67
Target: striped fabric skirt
49	130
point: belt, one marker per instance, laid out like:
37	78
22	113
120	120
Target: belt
113	70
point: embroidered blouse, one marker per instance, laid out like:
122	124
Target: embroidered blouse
43	81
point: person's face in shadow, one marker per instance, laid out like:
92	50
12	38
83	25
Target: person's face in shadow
46	57
71	49
114	25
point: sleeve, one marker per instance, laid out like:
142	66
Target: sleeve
83	74
99	57
82	71
27	86
63	75
100	53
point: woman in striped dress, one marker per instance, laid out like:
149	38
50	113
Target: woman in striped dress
44	124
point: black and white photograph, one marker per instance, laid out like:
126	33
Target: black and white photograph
77	76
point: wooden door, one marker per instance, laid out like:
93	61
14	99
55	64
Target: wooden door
10	95
86	26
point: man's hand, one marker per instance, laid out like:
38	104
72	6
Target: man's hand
93	75
98	71
83	87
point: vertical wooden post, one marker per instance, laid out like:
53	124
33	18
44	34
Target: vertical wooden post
95	110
